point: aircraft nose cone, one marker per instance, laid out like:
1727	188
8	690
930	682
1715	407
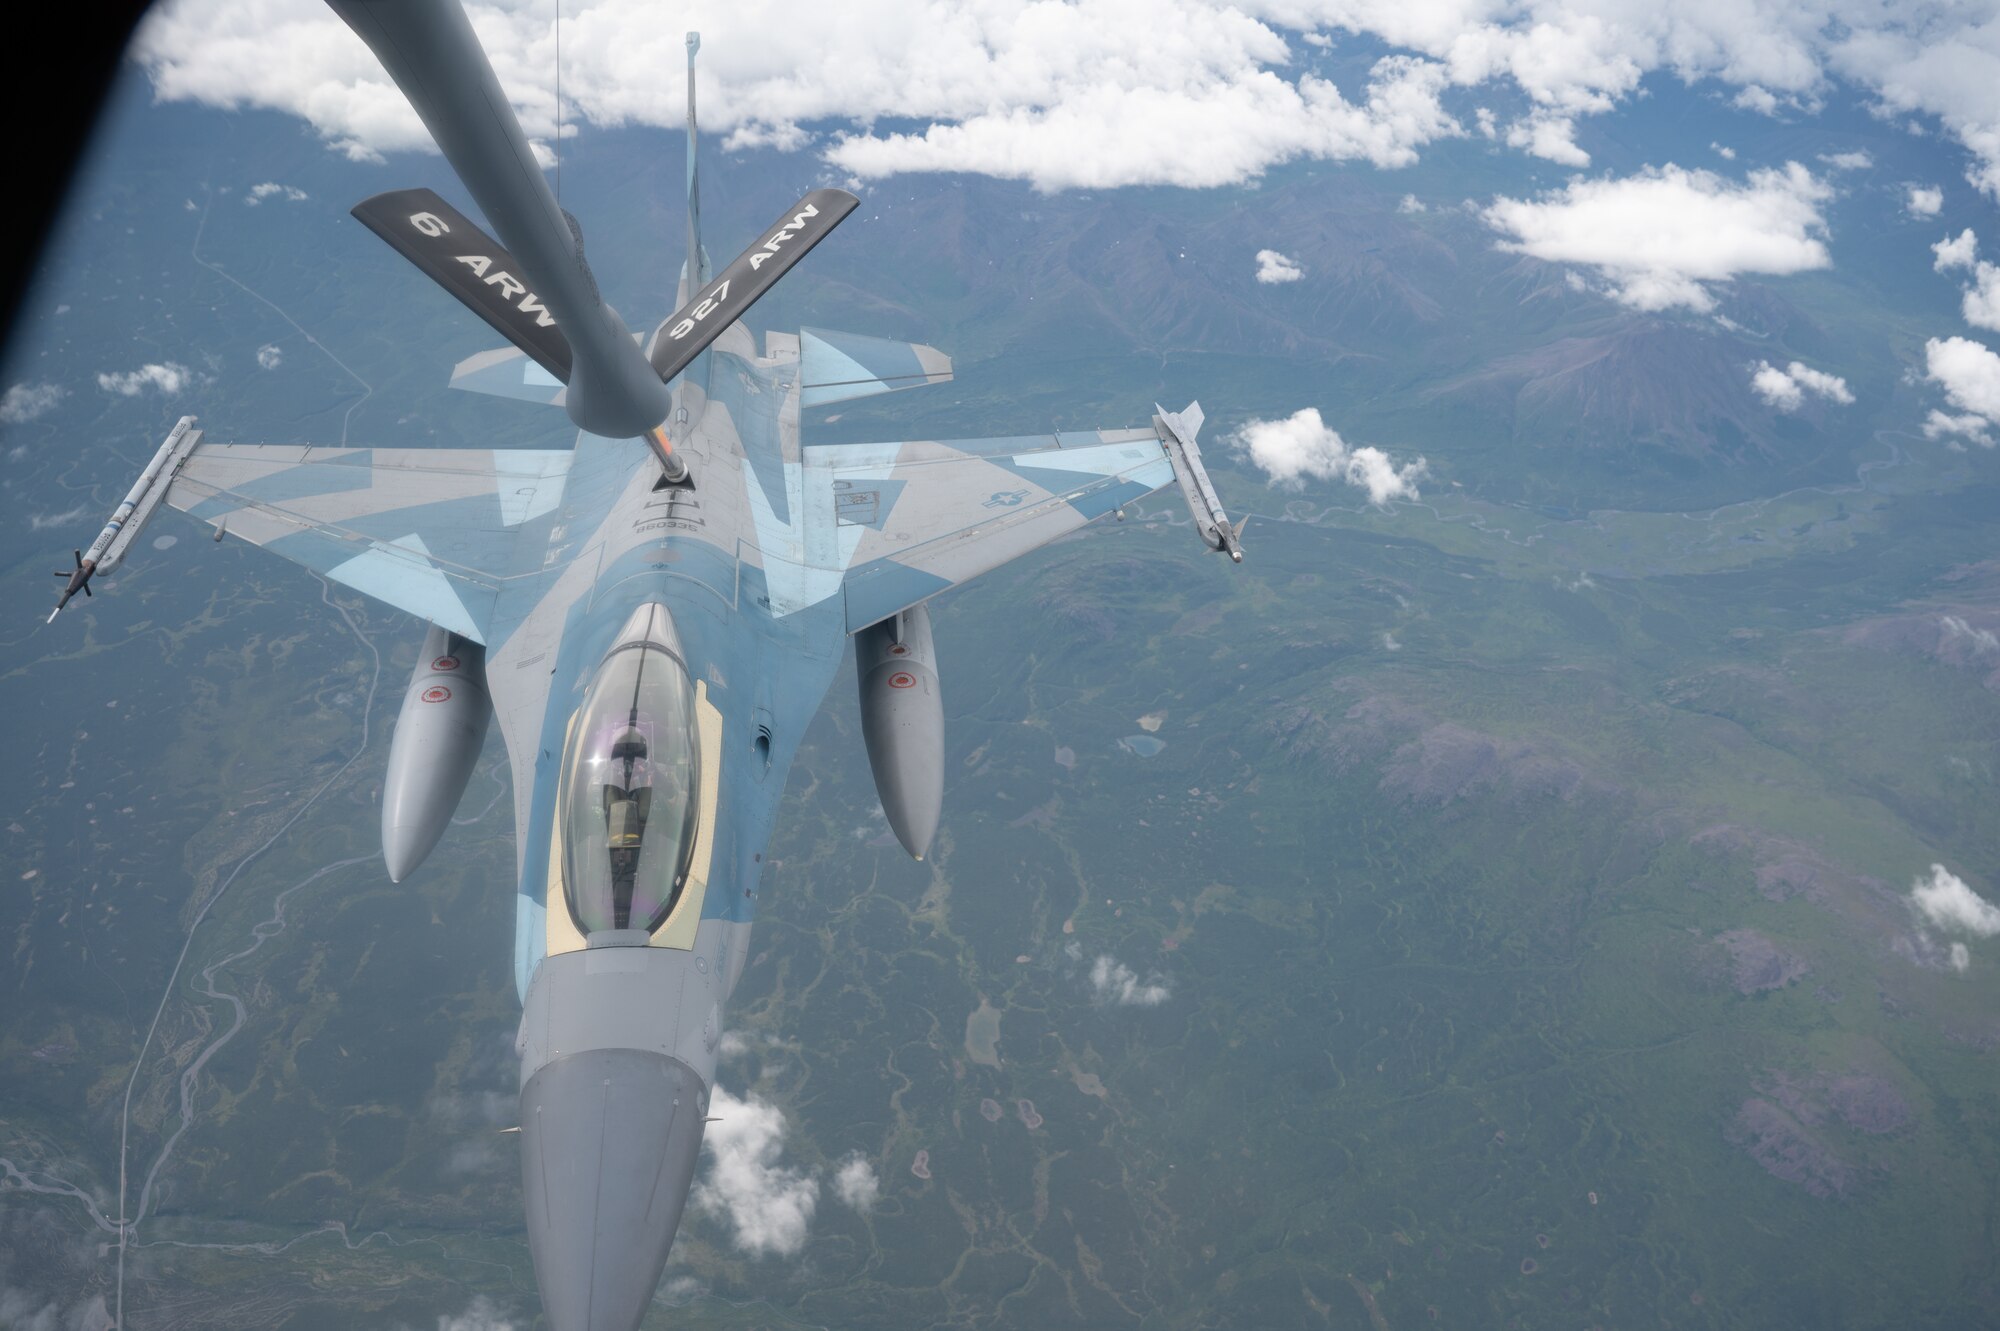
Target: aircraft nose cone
609	1140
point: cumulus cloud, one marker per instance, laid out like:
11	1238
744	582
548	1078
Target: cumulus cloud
1095	94
271	189
1550	136
1759	99
1786	389
767	1206
1105	91
1302	445
856	1185
1957	251
1274	267
1661	235
169	378
1923	201
24	402
1114	982
1946	902
1848	161
482	1314
1983	640
1220	129
1969	374
1981	306
1727	154
1409	204
1944	425
270	356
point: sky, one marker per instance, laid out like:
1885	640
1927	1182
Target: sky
1193	94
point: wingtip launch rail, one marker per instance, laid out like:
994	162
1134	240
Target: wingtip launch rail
131	515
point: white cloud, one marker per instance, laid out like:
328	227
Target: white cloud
1409	204
1659	236
1117	984
24	402
1961	957
1786	389
1981	306
1943	425
1946	902
768	1206
1924	201
169	378
1848	161
1275	267
1761	100
270	356
1955	251
480	1315
856	1185
270	189
1220	127
1969	373
1549	136
1013	87
1726	154
1302	445
1983	640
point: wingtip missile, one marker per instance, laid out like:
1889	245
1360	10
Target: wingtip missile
78	581
131	515
1176	431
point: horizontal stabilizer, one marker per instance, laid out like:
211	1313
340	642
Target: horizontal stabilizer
836	367
471	265
688	330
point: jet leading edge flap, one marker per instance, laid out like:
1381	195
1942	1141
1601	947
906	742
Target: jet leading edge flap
688	330
458	256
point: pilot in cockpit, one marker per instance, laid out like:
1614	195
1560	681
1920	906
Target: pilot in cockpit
628	798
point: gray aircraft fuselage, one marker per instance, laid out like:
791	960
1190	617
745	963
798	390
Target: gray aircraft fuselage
651	620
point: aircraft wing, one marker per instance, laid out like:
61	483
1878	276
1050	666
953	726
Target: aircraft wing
434	532
926	515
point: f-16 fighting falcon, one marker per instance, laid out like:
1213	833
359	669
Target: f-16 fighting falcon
652	614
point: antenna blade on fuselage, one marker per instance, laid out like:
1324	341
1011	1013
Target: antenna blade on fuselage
428	48
721	302
454	253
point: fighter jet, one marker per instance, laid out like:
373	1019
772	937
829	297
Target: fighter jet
653	614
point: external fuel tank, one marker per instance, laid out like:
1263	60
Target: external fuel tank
902	720
438	736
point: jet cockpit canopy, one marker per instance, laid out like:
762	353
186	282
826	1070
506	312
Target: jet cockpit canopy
630	778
